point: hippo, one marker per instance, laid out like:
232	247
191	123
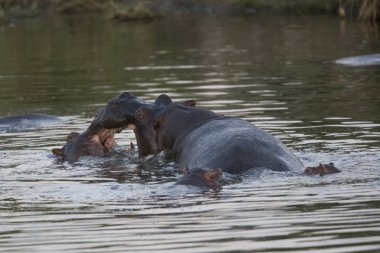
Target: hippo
88	143
322	169
361	60
98	139
207	178
25	121
199	138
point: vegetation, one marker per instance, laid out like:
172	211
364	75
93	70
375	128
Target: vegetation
294	7
134	10
115	9
368	9
137	12
360	9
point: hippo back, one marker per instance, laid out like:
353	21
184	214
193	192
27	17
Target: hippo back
26	121
234	145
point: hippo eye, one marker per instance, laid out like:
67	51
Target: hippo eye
308	171
140	116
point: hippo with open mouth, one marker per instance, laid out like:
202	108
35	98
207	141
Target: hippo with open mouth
89	143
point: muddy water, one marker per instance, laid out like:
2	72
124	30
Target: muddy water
276	72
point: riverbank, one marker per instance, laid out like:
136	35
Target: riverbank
133	10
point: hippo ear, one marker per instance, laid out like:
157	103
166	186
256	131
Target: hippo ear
189	103
163	100
158	124
57	151
211	174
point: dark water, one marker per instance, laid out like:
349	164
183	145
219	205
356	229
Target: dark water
276	72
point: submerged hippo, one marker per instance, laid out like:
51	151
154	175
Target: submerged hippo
207	178
199	138
25	121
118	114
322	169
361	60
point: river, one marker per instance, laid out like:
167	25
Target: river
277	72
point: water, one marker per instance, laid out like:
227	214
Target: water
276	72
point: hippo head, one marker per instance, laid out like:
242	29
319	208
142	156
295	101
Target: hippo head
144	121
120	112
322	169
210	178
86	144
146	131
162	128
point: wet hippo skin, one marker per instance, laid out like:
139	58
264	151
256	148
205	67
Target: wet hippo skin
199	138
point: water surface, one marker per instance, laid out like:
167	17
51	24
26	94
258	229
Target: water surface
276	72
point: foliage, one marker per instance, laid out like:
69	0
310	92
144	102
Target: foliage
138	12
290	6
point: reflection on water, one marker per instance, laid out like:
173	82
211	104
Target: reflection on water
276	72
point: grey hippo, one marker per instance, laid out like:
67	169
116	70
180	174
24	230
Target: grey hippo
360	60
200	140
21	122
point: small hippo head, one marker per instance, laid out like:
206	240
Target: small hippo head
210	178
322	169
86	144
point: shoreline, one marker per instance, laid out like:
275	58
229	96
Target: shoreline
134	10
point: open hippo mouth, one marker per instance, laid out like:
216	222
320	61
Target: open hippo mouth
90	143
106	137
99	138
